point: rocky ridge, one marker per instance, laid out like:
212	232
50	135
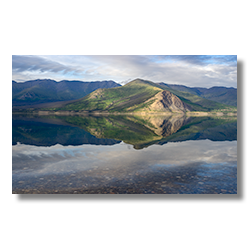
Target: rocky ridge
166	101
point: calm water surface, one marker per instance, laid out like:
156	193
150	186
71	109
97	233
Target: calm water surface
117	154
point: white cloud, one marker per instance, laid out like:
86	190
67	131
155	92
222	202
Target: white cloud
189	70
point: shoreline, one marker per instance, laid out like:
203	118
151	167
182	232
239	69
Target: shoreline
86	113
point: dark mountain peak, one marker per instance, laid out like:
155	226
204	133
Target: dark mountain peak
42	80
163	83
221	87
110	82
105	81
37	81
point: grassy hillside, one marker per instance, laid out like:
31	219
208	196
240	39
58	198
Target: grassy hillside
129	98
137	96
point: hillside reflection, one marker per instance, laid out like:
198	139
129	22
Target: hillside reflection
139	131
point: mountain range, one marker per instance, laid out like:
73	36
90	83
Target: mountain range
141	96
108	96
46	90
223	95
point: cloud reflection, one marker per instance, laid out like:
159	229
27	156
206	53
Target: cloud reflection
58	158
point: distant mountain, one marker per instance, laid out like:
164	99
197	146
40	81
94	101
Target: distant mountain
223	95
141	96
46	90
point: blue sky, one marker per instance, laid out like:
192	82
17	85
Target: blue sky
189	70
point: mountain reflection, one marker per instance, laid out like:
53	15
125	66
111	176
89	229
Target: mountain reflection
139	131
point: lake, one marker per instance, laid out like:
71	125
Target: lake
151	154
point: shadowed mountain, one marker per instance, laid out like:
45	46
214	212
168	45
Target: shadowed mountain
223	95
46	90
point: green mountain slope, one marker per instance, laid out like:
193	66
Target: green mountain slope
142	96
136	96
132	97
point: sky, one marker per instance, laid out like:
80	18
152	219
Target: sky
189	70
